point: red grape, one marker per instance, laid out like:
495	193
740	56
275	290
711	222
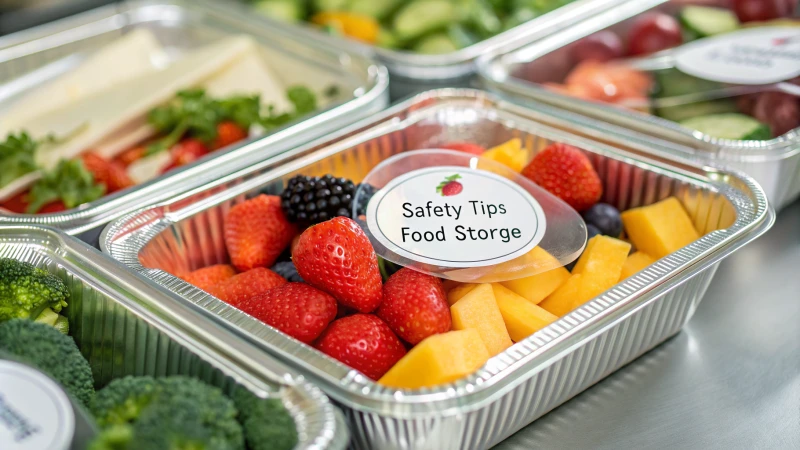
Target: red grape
759	10
601	46
778	110
653	32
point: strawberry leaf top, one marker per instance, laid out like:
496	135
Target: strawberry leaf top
446	181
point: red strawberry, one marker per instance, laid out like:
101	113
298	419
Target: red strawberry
567	173
297	309
209	276
414	305
256	232
228	133
184	152
450	186
465	147
106	172
337	257
239	288
363	342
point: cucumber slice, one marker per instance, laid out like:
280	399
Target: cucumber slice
673	82
461	36
679	113
379	9
423	16
730	126
436	44
387	39
706	21
288	11
330	5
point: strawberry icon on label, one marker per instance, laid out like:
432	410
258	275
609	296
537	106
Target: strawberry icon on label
450	186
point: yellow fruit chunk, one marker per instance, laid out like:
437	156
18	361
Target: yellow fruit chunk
565	298
602	260
438	359
522	317
635	263
661	228
536	287
459	292
478	309
509	153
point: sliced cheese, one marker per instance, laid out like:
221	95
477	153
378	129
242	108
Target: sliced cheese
249	75
149	167
100	116
133	55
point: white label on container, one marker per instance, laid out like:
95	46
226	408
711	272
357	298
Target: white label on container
755	56
34	412
455	217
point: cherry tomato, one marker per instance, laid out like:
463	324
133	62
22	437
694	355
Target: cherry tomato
759	10
185	152
601	46
778	110
228	133
653	32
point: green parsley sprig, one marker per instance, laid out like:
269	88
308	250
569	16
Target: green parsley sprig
69	182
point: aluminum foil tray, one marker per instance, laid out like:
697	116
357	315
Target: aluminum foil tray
120	333
775	163
34	56
531	377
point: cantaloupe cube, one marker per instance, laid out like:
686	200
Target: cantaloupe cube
438	359
522	317
536	287
635	263
661	228
602	261
509	153
565	298
478	309
459	292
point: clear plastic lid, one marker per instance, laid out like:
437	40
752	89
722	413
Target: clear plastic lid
466	218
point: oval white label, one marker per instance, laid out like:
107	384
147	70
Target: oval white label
455	217
34	412
755	56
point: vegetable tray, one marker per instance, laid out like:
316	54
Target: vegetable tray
774	163
31	57
533	376
121	333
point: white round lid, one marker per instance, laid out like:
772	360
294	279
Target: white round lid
35	413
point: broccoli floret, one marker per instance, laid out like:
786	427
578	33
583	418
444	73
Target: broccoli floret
51	352
26	291
177	413
267	424
122	401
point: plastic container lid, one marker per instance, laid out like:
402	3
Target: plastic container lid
466	218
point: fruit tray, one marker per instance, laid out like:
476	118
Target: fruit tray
34	56
519	75
120	333
528	379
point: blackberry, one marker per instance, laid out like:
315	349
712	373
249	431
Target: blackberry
287	270
311	200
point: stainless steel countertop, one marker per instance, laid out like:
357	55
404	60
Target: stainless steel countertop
730	379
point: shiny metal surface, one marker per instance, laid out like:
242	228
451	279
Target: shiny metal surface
37	55
730	379
517	74
533	376
121	332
